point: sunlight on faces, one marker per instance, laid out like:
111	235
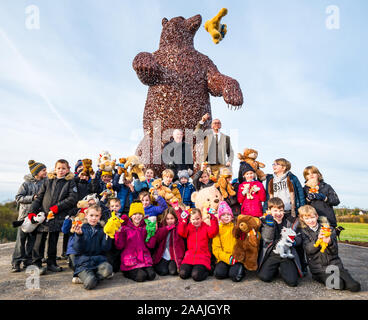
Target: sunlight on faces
114	206
93	217
205	178
106	178
183	180
310	220
216	124
42	174
61	170
136	219
278	168
226	218
249	176
167	179
149	174
170	219
196	219
146	201
312	176
277	214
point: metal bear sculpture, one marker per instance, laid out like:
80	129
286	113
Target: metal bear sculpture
180	81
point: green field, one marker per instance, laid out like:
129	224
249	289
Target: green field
354	231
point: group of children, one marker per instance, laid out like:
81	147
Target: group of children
183	242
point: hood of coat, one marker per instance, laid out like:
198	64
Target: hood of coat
29	178
52	175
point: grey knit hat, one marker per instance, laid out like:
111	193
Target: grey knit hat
35	167
183	174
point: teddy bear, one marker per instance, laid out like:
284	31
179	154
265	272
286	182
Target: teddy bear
208	198
77	220
133	165
249	156
162	191
214	28
326	233
107	165
109	191
224	183
164	71
32	221
247	241
87	167
103	156
121	167
112	225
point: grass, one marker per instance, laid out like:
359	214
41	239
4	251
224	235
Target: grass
354	231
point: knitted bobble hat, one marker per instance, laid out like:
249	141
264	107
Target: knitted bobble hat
35	167
183	174
136	207
224	208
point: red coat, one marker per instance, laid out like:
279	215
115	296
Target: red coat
197	241
176	242
252	207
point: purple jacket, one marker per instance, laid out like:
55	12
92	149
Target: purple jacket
177	244
131	240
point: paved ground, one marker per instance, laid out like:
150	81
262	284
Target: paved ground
59	286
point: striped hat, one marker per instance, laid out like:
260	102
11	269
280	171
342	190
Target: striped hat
35	167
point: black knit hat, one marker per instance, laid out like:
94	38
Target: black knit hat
245	167
35	167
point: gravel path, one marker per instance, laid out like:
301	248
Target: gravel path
59	286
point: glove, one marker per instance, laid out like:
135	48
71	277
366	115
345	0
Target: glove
311	196
54	209
269	220
17	224
232	261
320	196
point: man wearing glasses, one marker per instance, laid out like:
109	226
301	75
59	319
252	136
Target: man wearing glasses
217	150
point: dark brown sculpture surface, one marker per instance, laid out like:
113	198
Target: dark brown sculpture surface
180	80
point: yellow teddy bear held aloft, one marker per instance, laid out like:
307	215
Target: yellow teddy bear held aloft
214	28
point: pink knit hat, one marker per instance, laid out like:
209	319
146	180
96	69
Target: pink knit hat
224	208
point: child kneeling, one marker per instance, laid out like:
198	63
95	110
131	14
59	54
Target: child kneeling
319	261
136	260
223	245
197	259
90	245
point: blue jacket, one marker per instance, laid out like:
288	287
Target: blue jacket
154	211
90	248
123	192
186	191
293	185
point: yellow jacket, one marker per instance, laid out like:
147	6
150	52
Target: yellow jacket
223	243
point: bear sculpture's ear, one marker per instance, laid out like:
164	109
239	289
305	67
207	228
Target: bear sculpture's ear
164	21
194	22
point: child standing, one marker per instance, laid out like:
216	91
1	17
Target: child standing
125	192
197	259
167	178
57	195
270	262
251	193
168	245
91	244
26	194
202	179
136	260
149	209
145	185
222	247
185	188
319	261
320	195
286	186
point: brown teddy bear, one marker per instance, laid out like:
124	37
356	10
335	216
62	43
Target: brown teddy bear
107	165
247	241
87	167
121	167
224	183
133	165
162	191
249	156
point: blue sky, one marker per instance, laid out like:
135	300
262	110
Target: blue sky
68	90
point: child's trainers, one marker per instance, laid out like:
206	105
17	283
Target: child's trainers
76	280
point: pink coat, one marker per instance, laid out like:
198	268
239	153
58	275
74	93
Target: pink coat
131	240
252	207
